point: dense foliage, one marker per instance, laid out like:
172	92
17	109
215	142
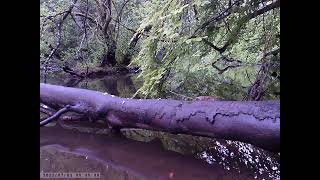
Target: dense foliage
229	49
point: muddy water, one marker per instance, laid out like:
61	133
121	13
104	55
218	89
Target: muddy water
139	154
120	85
121	158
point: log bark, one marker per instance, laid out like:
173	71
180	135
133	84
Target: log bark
254	122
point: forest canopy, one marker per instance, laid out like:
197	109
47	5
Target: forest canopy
228	49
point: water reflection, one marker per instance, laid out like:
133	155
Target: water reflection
118	85
121	158
233	156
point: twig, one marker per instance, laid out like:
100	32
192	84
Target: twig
71	71
55	116
224	69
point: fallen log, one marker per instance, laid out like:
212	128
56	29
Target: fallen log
254	122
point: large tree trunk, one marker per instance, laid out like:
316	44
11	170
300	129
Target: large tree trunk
109	57
255	122
132	44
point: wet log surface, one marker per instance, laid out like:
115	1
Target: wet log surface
254	122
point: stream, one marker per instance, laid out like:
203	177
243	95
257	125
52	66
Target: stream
142	154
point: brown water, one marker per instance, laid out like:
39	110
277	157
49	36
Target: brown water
120	85
140	154
119	158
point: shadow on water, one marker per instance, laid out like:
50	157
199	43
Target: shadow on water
141	154
119	158
118	85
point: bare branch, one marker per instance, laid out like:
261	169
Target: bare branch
224	69
215	19
67	69
228	60
56	115
119	17
236	30
117	21
220	50
257	90
90	18
59	27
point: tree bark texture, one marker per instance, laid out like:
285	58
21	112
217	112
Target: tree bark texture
255	122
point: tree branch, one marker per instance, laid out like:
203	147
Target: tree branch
59	26
236	30
117	21
224	69
220	50
67	69
229	60
88	17
56	115
217	18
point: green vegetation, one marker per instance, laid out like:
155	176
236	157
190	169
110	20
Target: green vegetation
229	49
